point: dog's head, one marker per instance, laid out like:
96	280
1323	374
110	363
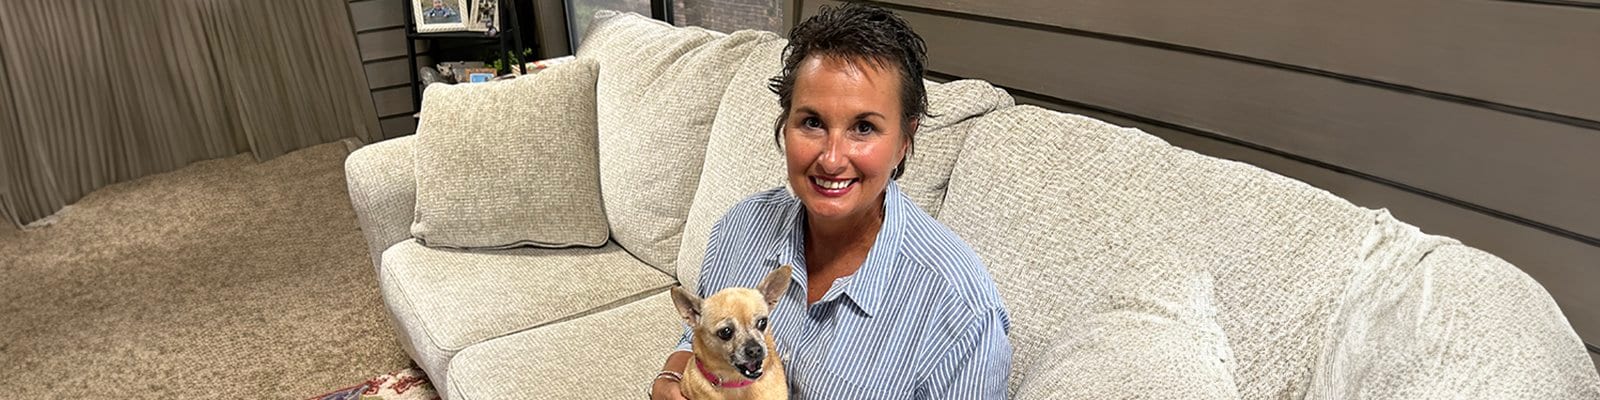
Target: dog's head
731	326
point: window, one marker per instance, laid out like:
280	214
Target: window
729	15
579	12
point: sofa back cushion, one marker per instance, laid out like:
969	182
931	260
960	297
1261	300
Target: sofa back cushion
510	163
1058	205
952	108
741	158
658	91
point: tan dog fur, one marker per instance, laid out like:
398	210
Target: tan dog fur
738	309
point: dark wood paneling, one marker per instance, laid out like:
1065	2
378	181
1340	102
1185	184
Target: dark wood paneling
372	14
1538	170
386	43
400	125
390	102
1564	267
392	72
1527	55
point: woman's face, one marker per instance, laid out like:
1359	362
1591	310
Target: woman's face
843	137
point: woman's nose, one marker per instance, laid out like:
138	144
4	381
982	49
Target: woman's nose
832	159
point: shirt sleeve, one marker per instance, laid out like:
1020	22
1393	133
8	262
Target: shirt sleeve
686	343
978	364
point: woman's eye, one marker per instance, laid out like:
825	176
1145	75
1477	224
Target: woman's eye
725	333
761	324
811	122
863	127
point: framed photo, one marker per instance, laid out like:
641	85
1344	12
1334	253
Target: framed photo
442	15
486	16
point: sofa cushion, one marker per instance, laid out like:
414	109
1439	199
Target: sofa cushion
445	300
741	158
1430	316
1056	204
510	163
658	92
951	109
1153	333
612	354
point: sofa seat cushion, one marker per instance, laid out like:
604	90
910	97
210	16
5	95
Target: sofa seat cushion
1058	204
657	94
612	354
445	300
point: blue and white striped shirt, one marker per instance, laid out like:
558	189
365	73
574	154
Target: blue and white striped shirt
921	318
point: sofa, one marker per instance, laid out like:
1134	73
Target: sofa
1129	267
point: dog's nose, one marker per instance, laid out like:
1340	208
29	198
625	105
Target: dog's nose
754	352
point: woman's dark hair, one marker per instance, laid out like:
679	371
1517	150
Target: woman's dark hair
859	32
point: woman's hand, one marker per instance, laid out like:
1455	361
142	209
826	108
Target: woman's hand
666	389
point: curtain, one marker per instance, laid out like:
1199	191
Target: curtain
94	92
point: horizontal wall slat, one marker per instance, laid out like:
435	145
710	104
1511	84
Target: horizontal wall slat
393	101
1522	54
372	14
398	125
385	43
1538	170
392	72
1566	268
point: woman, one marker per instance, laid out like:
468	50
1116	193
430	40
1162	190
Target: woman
885	301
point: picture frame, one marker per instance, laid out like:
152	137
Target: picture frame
442	15
486	16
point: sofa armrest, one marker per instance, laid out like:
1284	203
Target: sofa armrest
383	190
1458	323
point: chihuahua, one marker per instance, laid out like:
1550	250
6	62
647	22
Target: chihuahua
735	356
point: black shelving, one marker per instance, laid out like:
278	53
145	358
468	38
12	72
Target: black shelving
508	37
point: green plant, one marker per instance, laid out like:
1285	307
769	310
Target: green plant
500	64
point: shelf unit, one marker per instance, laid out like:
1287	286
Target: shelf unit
508	38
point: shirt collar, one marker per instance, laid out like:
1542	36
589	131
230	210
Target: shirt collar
866	287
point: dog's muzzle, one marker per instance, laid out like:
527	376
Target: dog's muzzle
753	358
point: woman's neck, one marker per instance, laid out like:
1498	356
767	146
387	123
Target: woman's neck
837	247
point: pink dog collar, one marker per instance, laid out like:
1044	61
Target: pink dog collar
712	378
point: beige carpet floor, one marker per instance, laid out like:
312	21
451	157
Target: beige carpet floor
226	279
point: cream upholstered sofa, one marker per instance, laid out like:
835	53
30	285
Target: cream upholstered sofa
1129	266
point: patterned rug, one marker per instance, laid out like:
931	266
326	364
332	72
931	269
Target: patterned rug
406	384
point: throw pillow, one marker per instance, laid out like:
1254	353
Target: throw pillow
510	163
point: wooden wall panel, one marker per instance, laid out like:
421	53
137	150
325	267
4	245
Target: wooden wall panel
1535	56
375	14
1535	169
388	43
1557	263
399	125
394	101
384	74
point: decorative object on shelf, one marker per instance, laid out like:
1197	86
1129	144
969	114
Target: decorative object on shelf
537	66
476	75
429	76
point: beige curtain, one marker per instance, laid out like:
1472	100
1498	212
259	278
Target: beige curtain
94	92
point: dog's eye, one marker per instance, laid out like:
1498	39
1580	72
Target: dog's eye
725	333
761	324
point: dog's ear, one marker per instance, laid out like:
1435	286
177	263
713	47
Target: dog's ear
773	286
688	305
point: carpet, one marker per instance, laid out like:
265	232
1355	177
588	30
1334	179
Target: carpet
228	278
406	384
